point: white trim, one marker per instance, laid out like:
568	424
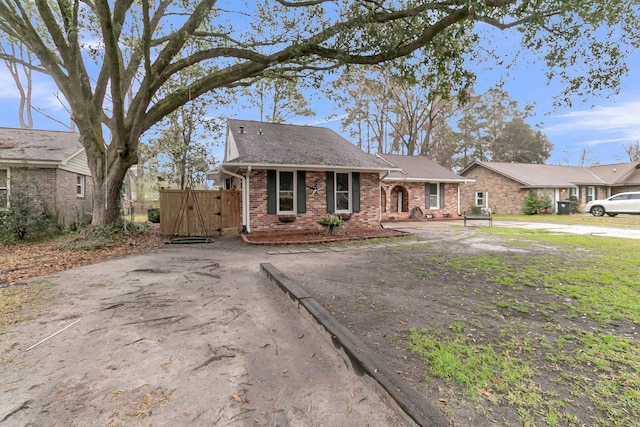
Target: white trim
245	196
294	195
7	187
349	192
81	183
310	167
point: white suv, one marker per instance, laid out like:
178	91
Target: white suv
628	203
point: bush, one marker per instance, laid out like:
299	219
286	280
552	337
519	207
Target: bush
153	215
27	218
331	222
536	204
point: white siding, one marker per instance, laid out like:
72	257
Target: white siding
77	164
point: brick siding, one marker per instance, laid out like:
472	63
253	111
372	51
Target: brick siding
505	196
316	206
55	189
414	195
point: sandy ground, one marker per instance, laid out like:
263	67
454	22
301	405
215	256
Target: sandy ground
186	335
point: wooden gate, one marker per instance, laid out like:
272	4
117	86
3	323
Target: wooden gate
191	213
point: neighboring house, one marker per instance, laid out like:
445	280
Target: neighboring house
422	188
292	175
503	187
49	167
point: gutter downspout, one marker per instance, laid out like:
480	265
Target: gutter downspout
245	198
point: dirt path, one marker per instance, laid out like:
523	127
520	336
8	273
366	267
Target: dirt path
186	335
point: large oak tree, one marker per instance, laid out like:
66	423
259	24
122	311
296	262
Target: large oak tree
97	51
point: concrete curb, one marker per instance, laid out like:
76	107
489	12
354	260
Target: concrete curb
362	358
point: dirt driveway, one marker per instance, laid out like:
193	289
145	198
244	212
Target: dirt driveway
188	335
196	335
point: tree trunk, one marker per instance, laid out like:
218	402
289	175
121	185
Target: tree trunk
108	176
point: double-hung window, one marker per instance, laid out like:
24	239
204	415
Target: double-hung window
432	196
343	192
479	198
590	194
80	184
286	191
4	188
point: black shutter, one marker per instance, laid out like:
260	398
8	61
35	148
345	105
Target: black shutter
355	192
302	192
427	195
442	195
272	192
331	203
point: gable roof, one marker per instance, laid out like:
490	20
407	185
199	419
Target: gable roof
260	144
555	176
32	146
419	168
619	173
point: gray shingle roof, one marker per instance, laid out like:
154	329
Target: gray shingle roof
31	145
419	168
616	173
550	176
273	144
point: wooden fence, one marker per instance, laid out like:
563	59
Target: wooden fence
191	213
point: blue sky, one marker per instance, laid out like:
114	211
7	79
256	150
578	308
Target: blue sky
602	125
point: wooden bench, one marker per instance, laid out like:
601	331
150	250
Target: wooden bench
483	215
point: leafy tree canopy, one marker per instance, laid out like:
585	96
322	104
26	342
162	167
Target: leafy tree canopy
98	52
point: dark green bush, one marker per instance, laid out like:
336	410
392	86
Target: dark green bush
153	215
27	218
536	204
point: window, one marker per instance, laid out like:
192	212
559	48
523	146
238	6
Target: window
479	198
573	192
343	193
286	192
4	188
80	181
432	198
590	194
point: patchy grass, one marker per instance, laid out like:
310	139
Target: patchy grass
15	300
582	367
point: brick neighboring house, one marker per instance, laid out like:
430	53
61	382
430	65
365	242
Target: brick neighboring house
421	184
503	187
291	175
50	167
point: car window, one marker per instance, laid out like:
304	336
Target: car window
634	196
620	197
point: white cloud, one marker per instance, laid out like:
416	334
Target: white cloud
621	117
618	123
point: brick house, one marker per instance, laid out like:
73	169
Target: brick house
503	187
49	167
291	175
422	188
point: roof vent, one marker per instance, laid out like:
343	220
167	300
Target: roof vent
241	129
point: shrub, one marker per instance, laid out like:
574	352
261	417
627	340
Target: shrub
27	218
331	222
536	204
153	215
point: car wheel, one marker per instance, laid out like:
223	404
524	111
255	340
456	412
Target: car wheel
597	211
612	214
